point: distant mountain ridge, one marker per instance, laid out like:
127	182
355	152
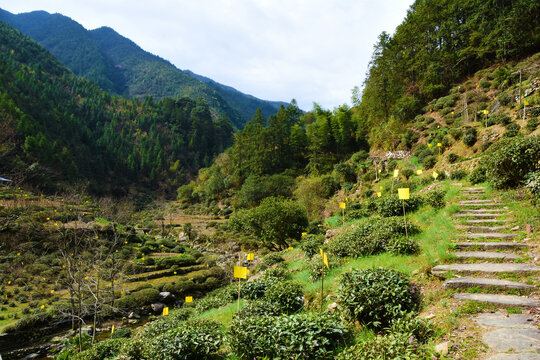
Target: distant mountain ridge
121	67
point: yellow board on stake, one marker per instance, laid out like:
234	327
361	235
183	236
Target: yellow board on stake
240	272
403	193
525	102
304	233
379	194
112	329
419	172
342	205
189	299
250	257
486	112
166	311
439	144
429	145
396	173
435	175
381	187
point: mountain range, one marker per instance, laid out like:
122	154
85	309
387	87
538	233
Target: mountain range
119	66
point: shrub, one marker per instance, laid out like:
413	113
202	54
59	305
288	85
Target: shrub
392	206
508	165
458	174
470	137
274	222
402	246
209	302
532	183
256	308
256	188
391	346
435	198
316	267
375	297
303	336
485	146
138	299
478	175
107	349
272	259
311	244
287	295
407	173
255	289
504	99
532	124
200	339
452	158
429	162
513	126
123	332
511	134
411	325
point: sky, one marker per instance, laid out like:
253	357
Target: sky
309	50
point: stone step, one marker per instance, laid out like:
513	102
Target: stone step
486	255
482	211
475	215
499	245
476	188
496	205
486	268
481	228
464	202
490	236
470	282
485	221
501	300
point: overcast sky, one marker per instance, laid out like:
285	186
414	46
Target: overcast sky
310	50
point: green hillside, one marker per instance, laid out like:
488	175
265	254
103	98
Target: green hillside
59	129
119	66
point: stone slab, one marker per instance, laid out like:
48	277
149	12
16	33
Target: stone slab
477	215
481	211
496	205
481	201
486	255
520	356
485	221
486	283
481	228
488	268
502	300
491	236
475	188
499	245
504	320
515	340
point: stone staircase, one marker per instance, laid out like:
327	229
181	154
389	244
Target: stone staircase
485	255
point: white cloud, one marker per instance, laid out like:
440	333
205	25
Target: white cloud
311	50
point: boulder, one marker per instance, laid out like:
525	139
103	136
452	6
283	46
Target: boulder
166	297
157	307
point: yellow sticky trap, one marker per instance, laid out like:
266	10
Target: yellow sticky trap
125	242
290	248
525	102
377	166
86	278
325	260
48	219
486	112
9	282
112	329
439	144
174	273
419	172
435	175
18	254
342	205
162	245
189	299
321	251
240	272
429	145
250	257
403	193
380	171
166	311
452	113
381	187
396	173
42	307
63	266
52	291
379	194
304	233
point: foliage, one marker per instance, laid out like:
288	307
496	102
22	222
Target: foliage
532	183
435	198
209	302
458	174
287	295
256	289
302	336
392	206
478	175
384	347
272	259
256	188
411	325
107	349
375	297
429	162
275	222
532	124
402	246
452	158
197	339
311	244
257	308
316	267
508	164
470	137
138	299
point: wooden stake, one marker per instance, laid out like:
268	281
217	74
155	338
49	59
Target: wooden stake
322	283
238	307
405	219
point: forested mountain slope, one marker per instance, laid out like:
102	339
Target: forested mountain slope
59	129
119	66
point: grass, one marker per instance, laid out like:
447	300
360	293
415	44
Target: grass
223	315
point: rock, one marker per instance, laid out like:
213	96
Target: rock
330	234
87	329
442	348
133	315
31	356
157	307
528	229
332	306
514	228
166	297
133	321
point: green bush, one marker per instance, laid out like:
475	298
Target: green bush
209	302
532	124
435	198
452	158
504	99
509	164
197	339
107	349
123	332
316	267
407	173
138	299
375	297
384	347
412	326
458	174
429	162
499	118
256	188
392	206
273	259
532	183
402	246
256	308
304	336
478	175
287	295
255	289
470	137
311	244
274	222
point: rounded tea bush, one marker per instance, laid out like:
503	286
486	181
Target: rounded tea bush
287	295
375	297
